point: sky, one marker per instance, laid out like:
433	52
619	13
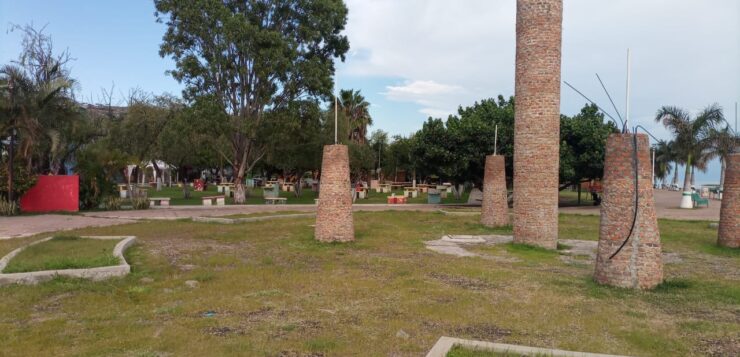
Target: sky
413	59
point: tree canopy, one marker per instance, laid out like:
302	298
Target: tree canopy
253	57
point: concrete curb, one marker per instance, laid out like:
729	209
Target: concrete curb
463	213
223	220
96	274
444	344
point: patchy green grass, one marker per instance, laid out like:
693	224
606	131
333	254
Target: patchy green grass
266	289
307	196
460	351
64	252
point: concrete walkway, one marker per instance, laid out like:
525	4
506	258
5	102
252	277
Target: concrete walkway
666	206
666	203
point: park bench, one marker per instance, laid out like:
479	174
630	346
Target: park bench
275	200
159	201
210	200
698	200
410	192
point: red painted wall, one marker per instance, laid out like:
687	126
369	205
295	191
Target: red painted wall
53	193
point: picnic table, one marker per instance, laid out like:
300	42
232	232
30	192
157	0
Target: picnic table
225	188
384	188
411	192
210	200
275	200
159	201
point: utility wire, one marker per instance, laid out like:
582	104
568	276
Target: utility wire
609	96
620	123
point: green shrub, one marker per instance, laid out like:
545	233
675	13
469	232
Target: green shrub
112	203
7	208
140	203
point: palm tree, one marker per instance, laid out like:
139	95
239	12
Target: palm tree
355	109
665	156
724	143
692	137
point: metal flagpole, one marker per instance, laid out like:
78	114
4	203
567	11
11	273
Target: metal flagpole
627	97
653	176
495	140
336	105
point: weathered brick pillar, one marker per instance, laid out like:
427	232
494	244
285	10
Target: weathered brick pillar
334	213
495	209
537	121
729	214
639	264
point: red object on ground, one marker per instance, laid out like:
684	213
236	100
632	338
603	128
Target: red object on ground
200	185
53	193
392	200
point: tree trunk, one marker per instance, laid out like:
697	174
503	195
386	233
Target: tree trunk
675	175
722	173
687	176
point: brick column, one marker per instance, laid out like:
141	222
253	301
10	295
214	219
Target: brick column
495	209
729	214
639	264
537	121
334	213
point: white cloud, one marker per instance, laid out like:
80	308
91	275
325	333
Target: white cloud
436	99
684	52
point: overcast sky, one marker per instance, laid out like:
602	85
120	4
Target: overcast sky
418	58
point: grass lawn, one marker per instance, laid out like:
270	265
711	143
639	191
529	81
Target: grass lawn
307	196
268	289
64	252
459	351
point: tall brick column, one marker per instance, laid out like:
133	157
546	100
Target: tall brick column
495	209
729	214
334	213
537	121
639	264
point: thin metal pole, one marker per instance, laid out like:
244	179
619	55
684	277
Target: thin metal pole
336	106
627	97
495	140
380	145
735	117
653	176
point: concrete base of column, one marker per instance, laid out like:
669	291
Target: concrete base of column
686	201
729	214
639	263
495	207
334	212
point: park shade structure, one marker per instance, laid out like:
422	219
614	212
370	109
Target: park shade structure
537	121
729	214
629	249
495	206
334	212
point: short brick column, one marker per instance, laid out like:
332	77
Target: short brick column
639	264
495	209
334	212
729	214
537	121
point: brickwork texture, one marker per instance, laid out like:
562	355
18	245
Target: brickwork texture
537	121
639	264
495	209
334	212
729	214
